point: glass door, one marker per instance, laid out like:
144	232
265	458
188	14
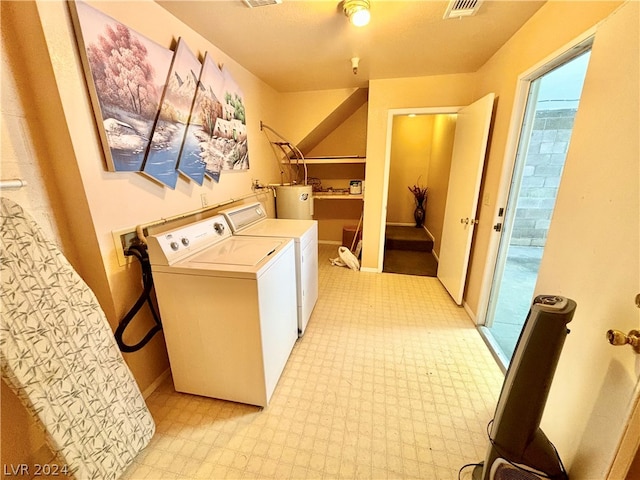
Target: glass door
544	140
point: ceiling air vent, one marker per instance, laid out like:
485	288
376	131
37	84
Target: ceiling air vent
260	3
462	8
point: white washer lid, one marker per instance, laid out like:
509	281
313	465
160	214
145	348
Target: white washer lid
237	251
280	227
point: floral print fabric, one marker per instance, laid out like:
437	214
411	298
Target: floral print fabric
59	356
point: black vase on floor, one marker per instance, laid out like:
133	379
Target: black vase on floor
418	215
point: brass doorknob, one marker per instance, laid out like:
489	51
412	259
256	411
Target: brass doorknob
616	337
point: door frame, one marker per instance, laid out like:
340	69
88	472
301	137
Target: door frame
523	86
629	445
387	162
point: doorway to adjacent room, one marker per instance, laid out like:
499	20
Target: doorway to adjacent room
419	157
458	158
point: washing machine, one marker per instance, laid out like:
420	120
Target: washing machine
251	220
228	308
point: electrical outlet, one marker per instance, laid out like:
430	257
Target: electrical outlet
123	239
203	198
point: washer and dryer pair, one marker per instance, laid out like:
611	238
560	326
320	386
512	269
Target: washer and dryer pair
230	304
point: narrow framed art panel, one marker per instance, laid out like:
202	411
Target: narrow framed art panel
126	75
233	128
216	138
161	161
199	151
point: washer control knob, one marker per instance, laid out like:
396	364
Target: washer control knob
219	228
185	241
174	246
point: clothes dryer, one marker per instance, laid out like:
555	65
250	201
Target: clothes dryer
228	308
251	220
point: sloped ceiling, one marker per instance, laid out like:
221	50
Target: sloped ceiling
334	120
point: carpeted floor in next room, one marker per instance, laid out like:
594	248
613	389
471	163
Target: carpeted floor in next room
408	250
391	380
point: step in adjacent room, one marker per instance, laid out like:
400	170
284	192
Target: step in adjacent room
408	250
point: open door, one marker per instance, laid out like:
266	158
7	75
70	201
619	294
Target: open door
591	401
553	96
467	164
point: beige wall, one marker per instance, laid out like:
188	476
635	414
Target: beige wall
598	379
384	95
49	138
552	27
117	200
410	159
18	154
25	156
444	128
348	139
555	24
298	113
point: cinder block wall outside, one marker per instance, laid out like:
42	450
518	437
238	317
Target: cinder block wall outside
541	178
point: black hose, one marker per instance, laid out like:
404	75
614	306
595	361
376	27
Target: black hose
140	252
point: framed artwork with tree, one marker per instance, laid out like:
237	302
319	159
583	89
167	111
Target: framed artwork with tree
126	76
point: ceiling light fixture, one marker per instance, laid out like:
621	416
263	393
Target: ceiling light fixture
357	11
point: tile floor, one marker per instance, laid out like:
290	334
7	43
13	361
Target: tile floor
391	380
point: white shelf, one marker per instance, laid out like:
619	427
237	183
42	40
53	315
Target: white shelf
333	160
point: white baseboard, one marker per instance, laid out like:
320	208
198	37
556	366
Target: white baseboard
156	383
433	239
370	270
470	312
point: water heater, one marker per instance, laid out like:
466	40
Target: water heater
294	201
519	450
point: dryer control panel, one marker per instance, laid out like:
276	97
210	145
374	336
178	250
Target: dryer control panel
244	216
168	247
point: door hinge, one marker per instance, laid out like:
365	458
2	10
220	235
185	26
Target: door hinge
498	227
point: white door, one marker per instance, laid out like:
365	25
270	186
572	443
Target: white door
467	164
593	255
553	96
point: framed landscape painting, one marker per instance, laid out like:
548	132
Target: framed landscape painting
126	74
233	128
164	149
200	150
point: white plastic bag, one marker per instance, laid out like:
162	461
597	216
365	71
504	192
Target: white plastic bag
346	259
